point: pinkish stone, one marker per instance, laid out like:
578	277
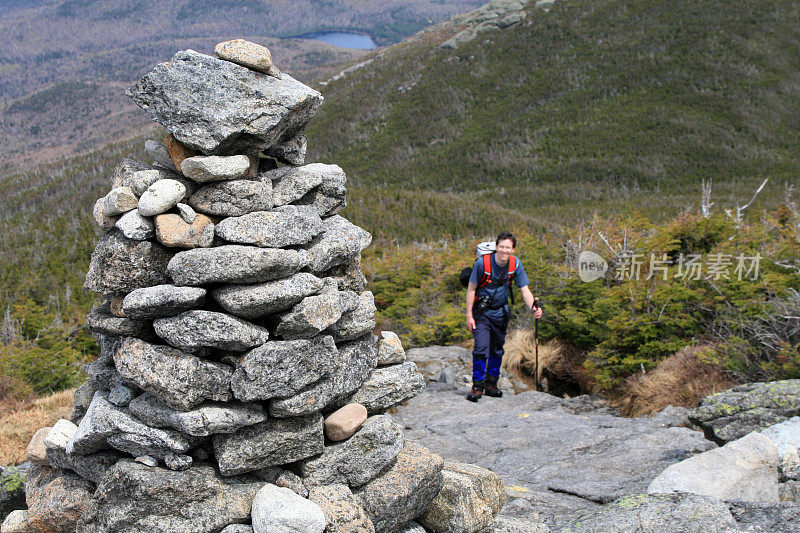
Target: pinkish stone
341	424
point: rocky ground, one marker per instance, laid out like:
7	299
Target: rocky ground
572	464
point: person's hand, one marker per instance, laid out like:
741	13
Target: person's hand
470	323
537	312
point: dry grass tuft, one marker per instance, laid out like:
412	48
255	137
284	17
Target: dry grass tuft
682	379
560	363
18	423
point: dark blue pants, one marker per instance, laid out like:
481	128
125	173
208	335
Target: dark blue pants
490	336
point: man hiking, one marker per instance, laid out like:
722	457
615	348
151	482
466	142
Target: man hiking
488	312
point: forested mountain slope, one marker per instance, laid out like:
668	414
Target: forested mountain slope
593	105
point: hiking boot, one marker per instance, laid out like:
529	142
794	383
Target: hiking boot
476	392
493	391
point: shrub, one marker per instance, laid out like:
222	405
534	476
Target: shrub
682	379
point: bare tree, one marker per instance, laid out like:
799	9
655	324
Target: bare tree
706	204
737	218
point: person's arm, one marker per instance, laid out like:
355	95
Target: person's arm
471	300
527	295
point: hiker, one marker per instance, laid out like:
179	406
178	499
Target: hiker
488	311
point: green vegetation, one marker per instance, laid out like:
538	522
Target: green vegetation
624	323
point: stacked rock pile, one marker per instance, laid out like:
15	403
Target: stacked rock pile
240	386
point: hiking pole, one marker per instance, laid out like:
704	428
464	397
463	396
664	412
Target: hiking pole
536	305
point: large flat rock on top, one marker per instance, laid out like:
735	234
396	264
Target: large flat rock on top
218	107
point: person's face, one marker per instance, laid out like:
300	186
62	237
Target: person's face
504	250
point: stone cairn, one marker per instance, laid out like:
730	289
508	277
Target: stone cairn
240	386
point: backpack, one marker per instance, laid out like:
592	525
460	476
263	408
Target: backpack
485	250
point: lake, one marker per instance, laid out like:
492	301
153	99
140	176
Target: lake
342	39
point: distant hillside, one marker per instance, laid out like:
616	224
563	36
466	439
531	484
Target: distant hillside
64	62
593	105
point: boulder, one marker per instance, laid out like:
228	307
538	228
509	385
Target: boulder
510	524
331	196
309	317
288	225
206	419
254	301
247	54
186	212
342	512
174	232
36	452
104	221
83	397
121	176
178	462
352	367
734	413
270	443
136	227
339	243
234	264
91	467
141	180
140	499
402	492
16	522
345	421
390	349
121	265
293	482
180	380
159	154
357	322
359	458
256	112
290	184
205	169
279	510
388	386
100	320
282	368
233	198
468	501
119	200
744	469
786	437
106	425
348	276
56	499
192	330
121	395
162	301
291	151
161	196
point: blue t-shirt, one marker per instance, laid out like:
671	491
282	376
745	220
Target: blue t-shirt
497	292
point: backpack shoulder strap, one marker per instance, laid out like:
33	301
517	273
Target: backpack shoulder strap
487	271
512	268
